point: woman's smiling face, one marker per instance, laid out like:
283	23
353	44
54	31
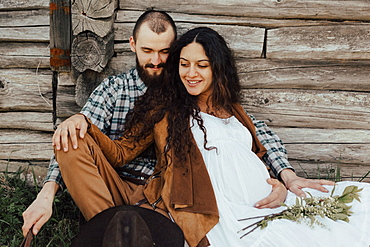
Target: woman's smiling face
195	70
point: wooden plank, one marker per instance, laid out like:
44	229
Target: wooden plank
309	109
23	145
13	166
24	151
9	136
130	16
26	120
350	172
309	118
122	62
287	9
335	153
246	41
31	169
22	18
304	74
26	62
319	42
24	4
315	135
25	34
24	48
24	55
25	90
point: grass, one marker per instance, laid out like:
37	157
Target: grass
16	196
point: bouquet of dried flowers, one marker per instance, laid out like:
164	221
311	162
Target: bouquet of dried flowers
307	209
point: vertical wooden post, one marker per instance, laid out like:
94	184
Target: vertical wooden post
60	35
60	43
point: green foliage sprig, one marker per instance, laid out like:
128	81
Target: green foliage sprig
307	209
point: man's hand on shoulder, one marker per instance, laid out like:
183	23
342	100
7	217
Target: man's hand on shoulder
69	129
295	184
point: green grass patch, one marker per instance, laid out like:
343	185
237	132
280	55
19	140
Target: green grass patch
16	196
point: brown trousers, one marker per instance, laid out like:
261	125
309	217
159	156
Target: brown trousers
92	182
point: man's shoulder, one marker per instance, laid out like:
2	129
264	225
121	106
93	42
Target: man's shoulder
125	76
130	77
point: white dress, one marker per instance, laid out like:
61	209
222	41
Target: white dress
238	178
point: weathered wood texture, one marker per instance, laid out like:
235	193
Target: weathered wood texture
27	151
25	90
30	171
60	35
90	51
124	16
26	120
35	145
23	5
332	171
24	55
24	34
305	74
304	69
21	18
96	16
285	9
309	108
323	42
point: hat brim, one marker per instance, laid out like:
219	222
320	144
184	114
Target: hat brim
163	231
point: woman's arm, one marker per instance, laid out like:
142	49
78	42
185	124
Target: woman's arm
121	151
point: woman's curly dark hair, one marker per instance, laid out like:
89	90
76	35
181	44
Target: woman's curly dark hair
171	96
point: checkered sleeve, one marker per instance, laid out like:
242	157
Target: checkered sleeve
54	173
276	156
100	105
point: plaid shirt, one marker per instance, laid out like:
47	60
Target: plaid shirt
109	104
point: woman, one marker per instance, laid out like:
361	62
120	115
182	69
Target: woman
209	173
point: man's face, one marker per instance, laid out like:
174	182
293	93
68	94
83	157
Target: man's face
151	51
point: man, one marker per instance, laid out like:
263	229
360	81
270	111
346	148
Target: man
114	98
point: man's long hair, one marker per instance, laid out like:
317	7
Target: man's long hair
171	96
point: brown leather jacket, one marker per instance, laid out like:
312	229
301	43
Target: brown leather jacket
182	188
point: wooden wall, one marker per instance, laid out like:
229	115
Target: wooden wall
304	68
25	86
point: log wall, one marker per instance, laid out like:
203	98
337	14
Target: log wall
304	68
26	123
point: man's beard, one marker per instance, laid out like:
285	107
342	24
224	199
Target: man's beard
145	76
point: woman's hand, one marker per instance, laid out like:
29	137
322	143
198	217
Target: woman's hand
277	196
40	210
68	128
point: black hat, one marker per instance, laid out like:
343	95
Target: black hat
129	226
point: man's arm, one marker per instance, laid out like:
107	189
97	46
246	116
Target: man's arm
276	158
